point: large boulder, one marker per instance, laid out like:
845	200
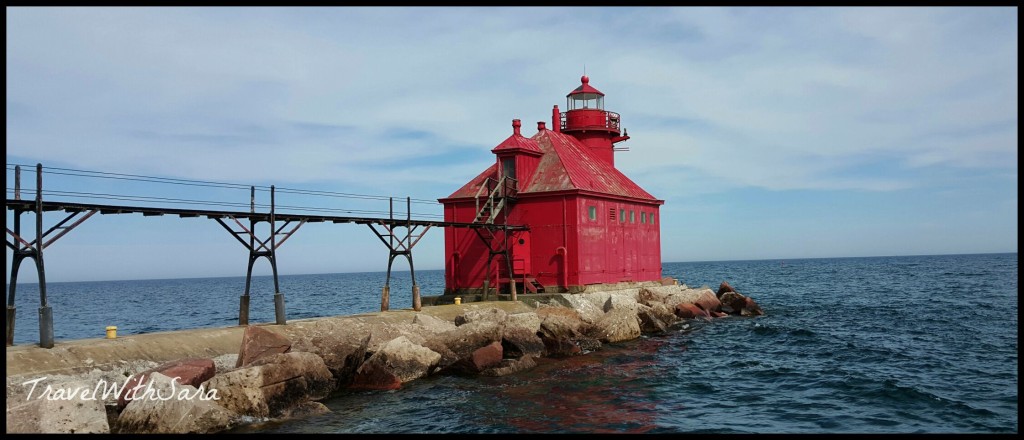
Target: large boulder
650	296
621	301
587	310
482	358
663	312
192	372
598	299
492	314
225	362
560	321
723	288
732	302
341	350
40	414
559	346
528	321
708	301
448	357
649	321
750	308
386	332
459	343
511	366
273	384
258	343
684	312
691	311
376	377
680	296
466	338
621	324
518	341
669	281
173	408
401	359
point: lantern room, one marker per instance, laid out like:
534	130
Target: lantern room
587	120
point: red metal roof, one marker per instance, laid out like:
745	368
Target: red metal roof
569	165
584	88
566	165
517	142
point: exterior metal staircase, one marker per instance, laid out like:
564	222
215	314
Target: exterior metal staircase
492	197
532	285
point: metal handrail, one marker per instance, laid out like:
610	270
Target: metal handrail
496	189
612	121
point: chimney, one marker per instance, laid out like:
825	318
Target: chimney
515	127
556	120
540	126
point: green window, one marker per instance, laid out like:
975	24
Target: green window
593	212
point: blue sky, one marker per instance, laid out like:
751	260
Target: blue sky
774	133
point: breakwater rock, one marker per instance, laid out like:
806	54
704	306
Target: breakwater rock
284	371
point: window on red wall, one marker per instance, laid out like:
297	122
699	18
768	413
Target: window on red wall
592	211
632	216
643	218
622	216
652	218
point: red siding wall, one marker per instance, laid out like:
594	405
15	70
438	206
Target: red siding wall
602	250
612	250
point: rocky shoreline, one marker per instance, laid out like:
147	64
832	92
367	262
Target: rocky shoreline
285	371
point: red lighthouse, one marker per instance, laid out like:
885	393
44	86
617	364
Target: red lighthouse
588	223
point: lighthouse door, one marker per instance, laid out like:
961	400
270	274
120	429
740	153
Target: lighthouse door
521	254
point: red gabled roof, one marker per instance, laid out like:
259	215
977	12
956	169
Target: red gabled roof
565	165
518	142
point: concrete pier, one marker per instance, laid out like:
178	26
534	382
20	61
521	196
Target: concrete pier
77	356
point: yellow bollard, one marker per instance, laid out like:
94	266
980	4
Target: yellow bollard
458	300
112	332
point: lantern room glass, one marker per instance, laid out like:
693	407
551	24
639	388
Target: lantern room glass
585	101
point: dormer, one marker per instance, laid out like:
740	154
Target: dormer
517	157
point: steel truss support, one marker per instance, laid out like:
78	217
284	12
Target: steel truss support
266	248
399	245
23	249
490	239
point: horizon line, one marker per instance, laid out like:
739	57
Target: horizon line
7	284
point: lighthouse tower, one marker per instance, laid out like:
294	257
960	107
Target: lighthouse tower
588	121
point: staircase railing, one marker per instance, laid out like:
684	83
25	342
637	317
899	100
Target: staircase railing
498	192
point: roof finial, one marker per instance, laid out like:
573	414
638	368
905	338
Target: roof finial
515	126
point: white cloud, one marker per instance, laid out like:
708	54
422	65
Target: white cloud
411	100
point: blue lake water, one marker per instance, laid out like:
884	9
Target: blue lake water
922	344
